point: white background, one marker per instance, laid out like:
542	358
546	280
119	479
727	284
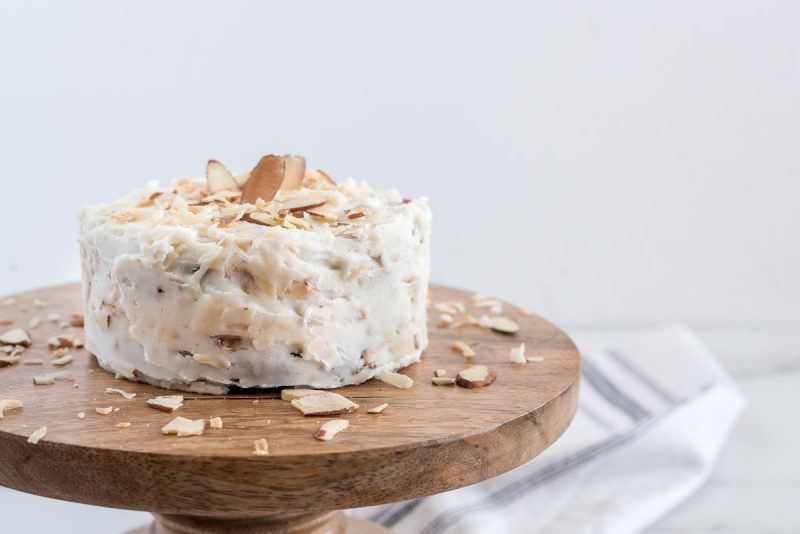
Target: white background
603	163
595	161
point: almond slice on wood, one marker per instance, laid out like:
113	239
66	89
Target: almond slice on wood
295	171
330	428
443	380
51	378
533	359
6	361
306	203
124	424
292	394
260	447
475	377
379	408
182	427
215	423
503	325
218	178
463	348
63	360
167	403
17	336
517	354
37	435
324	403
440	372
9	404
219	363
118	391
104	411
397	380
264	180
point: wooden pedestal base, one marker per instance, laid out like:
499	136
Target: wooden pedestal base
310	523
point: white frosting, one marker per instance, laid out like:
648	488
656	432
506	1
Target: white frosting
179	298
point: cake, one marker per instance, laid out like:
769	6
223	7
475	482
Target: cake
278	277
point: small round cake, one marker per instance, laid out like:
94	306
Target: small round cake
279	277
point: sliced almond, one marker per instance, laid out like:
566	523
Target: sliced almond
355	214
324	213
475	377
6	361
9	404
306	203
219	363
17	336
104	411
504	325
379	408
46	380
215	423
295	171
292	394
517	354
167	403
443	380
124	424
81	415
330	428
64	360
534	359
37	435
316	179
324	403
397	380
265	179
118	391
463	348
182	427
76	320
260	447
218	178
258	217
440	372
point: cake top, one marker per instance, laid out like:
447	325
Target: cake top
278	193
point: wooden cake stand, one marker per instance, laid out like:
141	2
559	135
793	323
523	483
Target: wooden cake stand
430	439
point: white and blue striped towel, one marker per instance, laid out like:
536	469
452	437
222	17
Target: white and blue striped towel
655	410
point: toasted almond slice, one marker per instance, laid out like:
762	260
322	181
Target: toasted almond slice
503	325
355	214
76	320
118	391
295	170
440	372
534	359
17	336
324	403
9	404
292	394
379	408
316	179
218	178
215	423
517	354
122	425
46	380
265	179
219	363
443	380
330	428
463	348
37	435
259	217
64	360
324	213
305	203
104	411
6	361
260	447
182	427
167	403
81	415
475	377
397	380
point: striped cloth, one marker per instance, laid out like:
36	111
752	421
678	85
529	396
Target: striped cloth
655	410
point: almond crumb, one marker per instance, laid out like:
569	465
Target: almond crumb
517	354
37	435
463	348
64	360
81	415
260	447
118	391
330	428
215	423
503	325
182	427
379	408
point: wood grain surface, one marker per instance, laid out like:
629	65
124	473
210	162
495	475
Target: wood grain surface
430	439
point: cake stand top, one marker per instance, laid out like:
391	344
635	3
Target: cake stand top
430	438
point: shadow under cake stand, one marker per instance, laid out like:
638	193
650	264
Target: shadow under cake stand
429	440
